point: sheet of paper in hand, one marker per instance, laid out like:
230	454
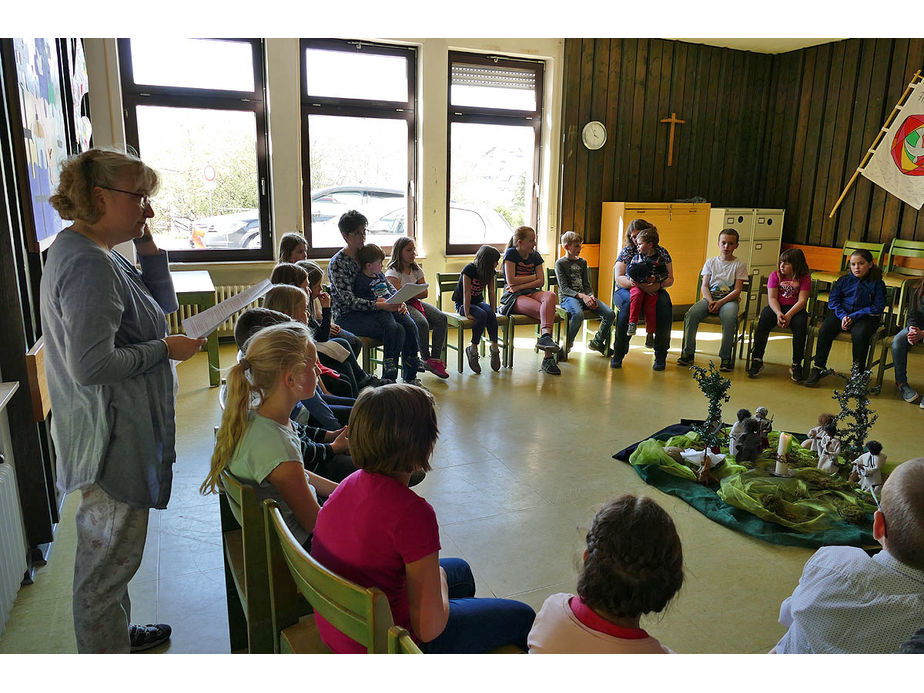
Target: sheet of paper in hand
407	292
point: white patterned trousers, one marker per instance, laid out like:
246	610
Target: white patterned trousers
110	543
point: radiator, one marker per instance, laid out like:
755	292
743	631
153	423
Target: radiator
12	543
226	329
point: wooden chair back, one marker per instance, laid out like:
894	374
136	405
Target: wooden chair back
445	284
905	249
401	642
361	613
876	249
38	383
244	539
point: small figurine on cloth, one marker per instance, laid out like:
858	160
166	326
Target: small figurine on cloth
829	449
814	436
748	445
765	425
737	431
867	468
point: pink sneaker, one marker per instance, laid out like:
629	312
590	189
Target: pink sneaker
437	367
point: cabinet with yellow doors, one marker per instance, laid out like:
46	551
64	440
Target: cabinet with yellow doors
683	229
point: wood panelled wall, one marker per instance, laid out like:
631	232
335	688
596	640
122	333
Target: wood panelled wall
828	103
779	131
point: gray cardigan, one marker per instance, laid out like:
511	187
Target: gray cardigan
111	385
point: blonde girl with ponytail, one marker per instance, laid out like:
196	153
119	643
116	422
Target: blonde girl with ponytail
256	441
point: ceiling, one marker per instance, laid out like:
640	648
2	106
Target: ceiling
761	45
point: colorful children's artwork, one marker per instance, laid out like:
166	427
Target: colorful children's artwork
43	129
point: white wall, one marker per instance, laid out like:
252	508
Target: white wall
282	61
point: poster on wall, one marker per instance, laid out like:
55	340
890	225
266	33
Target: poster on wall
80	88
898	163
43	131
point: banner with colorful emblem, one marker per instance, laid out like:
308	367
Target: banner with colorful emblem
898	163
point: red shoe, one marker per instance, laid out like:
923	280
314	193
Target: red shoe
437	367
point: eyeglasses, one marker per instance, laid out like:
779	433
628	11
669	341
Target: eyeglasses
145	199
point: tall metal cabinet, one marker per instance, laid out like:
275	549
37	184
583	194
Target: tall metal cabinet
682	229
760	232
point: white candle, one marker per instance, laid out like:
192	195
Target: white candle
783	447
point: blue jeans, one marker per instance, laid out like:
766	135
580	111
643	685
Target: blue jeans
484	318
900	349
477	626
663	318
397	332
728	314
576	308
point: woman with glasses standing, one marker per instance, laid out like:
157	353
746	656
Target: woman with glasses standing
111	384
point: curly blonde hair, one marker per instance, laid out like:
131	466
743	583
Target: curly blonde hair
103	168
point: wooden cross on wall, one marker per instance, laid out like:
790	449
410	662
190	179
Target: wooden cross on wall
673	120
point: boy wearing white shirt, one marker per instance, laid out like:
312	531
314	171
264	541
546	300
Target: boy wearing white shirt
723	279
847	602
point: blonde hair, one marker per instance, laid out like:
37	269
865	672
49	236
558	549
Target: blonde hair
285	298
269	353
393	429
519	234
103	168
569	237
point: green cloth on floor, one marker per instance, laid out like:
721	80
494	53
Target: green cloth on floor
779	510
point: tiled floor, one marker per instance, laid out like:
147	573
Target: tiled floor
523	461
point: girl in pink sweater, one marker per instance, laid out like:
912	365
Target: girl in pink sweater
633	565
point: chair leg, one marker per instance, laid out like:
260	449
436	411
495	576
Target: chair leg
508	338
459	335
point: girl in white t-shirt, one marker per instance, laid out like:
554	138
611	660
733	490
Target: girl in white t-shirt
633	565
431	322
259	445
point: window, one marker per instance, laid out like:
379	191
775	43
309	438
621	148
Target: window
358	144
495	109
195	112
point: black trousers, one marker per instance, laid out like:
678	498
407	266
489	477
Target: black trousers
861	333
798	324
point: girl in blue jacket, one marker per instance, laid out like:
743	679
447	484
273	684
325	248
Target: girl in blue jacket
854	305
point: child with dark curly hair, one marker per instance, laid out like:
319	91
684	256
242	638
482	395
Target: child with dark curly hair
633	565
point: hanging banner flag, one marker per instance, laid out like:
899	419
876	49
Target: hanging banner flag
898	163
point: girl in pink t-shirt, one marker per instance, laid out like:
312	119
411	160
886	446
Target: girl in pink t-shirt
633	565
788	290
377	532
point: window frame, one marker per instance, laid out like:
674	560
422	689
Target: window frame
493	116
134	95
364	108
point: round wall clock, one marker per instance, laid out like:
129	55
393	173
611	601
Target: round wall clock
594	134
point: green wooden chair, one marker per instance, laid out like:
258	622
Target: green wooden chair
563	317
740	323
246	574
897	274
752	326
361	613
880	341
401	642
445	284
